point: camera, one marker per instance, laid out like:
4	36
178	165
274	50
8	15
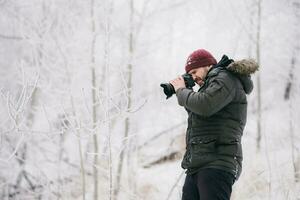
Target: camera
169	89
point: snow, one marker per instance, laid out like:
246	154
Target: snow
47	130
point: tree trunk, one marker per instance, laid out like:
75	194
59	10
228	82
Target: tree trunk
259	111
251	37
108	12
289	95
94	103
132	142
127	120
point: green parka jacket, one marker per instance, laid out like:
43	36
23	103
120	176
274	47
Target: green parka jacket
217	115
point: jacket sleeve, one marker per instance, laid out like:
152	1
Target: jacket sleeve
220	92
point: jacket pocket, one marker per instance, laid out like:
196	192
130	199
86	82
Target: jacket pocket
229	147
202	151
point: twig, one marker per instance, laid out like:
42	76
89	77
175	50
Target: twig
15	150
174	186
160	134
11	37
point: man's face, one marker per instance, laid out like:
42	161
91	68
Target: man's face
199	74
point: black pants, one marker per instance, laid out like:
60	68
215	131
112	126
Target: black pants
208	184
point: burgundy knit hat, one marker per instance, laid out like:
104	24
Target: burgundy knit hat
199	58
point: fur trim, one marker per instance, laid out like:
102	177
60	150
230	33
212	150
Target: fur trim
244	67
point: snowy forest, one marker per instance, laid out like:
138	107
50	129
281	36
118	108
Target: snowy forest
83	115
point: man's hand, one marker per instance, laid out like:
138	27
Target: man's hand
178	83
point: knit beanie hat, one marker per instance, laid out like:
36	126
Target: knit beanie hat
199	58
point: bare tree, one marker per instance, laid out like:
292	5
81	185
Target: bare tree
107	32
94	100
258	86
289	94
129	86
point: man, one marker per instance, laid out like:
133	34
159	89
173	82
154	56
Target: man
217	116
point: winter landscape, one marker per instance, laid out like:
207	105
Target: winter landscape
83	116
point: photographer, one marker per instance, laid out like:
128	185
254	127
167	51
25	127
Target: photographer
217	116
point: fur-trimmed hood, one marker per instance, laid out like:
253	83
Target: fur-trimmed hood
242	69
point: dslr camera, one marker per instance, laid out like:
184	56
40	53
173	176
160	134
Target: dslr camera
169	89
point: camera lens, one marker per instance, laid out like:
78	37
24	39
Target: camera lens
168	89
